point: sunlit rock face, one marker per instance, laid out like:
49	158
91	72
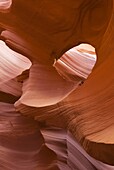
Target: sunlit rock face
56	98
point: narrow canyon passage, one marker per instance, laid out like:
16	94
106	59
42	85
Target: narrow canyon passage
56	85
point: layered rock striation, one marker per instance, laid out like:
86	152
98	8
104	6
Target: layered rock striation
49	119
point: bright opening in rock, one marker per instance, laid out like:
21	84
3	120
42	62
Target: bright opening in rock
77	63
4	5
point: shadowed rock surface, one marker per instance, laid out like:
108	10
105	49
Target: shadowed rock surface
48	117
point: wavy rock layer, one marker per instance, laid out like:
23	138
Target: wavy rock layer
25	144
43	31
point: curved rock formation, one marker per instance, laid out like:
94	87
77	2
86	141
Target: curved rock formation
36	83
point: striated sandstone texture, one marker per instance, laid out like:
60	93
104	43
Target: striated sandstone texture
56	98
